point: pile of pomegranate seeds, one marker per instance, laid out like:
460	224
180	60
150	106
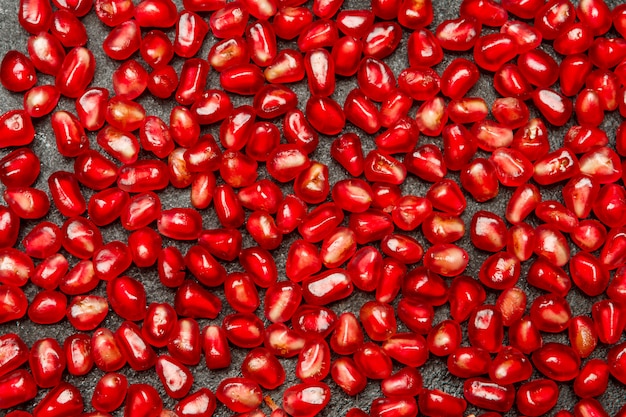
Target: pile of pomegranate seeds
282	207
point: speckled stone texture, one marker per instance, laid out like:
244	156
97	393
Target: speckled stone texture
434	372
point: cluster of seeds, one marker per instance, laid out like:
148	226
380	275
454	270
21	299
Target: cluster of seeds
319	207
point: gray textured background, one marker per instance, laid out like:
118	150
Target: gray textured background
434	372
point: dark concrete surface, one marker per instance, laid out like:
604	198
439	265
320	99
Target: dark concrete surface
434	372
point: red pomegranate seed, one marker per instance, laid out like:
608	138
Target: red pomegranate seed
142	400
420	83
436	403
86	312
484	393
557	361
261	366
47	307
536	398
111	260
525	336
424	49
510	366
109	392
42	241
444	338
406	382
215	347
468	362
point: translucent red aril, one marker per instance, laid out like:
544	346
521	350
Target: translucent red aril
420	83
262	42
423	49
159	323
261	366
538	68
125	114
459	146
609	320
281	301
156	49
610	202
229	21
593	379
480	180
313	361
76	72
494	50
484	393
47	362
526	36
465	294
487	12
458	78
375	79
347	376
312	321
16	128
550	313
485	328
27	202
525	336
114	12
437	403
509	82
86	312
106	352
215	347
406	382
139	354
274	100
325	115
123	41
241	293
443	228
510	366
127	297
17	72
142	400
615	360
47	307
538	397
458	34
184	342
156	13
244	329
41	242
228	53
63	398
109	392
361	112
467	362
444	338
190	32
446	196
289	21
35	15
557	361
239	394
14	303
348	152
41	100
306	399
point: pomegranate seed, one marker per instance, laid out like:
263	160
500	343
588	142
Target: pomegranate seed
215	347
458	34
436	403
557	361
142	399
493	50
424	49
484	393
109	392
536	398
406	382
261	366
